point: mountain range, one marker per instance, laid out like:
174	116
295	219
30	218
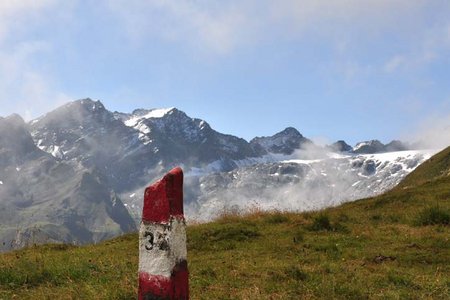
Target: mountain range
77	173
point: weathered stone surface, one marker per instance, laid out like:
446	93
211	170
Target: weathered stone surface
163	270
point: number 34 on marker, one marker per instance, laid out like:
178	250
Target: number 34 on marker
157	239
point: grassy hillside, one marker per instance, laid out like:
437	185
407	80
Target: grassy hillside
395	246
437	167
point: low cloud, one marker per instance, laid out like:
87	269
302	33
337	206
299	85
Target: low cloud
433	133
301	186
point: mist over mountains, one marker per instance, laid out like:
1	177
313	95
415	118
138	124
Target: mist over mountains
77	174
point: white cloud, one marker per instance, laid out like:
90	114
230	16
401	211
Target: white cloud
432	44
394	63
14	13
223	25
217	26
370	15
23	88
346	27
434	132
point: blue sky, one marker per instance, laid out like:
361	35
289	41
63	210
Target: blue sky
346	69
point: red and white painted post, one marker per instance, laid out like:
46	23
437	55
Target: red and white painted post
163	273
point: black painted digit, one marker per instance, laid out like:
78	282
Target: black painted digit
163	242
149	240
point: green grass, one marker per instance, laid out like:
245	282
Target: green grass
436	167
433	216
395	246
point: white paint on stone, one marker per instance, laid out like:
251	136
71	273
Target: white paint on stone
154	260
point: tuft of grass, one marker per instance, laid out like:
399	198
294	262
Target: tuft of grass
222	236
298	236
376	217
277	218
208	272
400	280
433	216
295	273
321	222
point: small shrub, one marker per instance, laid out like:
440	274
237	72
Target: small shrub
400	280
343	217
276	276
433	216
327	269
328	247
376	217
440	243
394	218
229	215
277	218
349	292
233	232
224	245
222	237
295	273
60	247
321	222
341	228
298	237
208	272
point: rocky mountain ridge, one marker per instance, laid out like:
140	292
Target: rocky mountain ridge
84	169
44	199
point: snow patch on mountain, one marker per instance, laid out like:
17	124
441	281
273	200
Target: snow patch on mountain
302	185
285	171
136	118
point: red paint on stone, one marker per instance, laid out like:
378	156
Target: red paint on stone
164	198
162	288
162	201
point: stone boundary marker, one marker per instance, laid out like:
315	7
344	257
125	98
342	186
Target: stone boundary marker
163	273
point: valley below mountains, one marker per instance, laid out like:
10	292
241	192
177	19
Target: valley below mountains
77	174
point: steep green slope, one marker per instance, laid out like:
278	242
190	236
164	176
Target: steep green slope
437	167
377	248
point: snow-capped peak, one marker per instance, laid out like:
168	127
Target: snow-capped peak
366	143
372	146
147	114
157	113
284	142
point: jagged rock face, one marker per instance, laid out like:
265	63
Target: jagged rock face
375	146
16	144
396	146
369	147
45	200
65	181
134	149
302	185
85	132
183	139
340	146
284	142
